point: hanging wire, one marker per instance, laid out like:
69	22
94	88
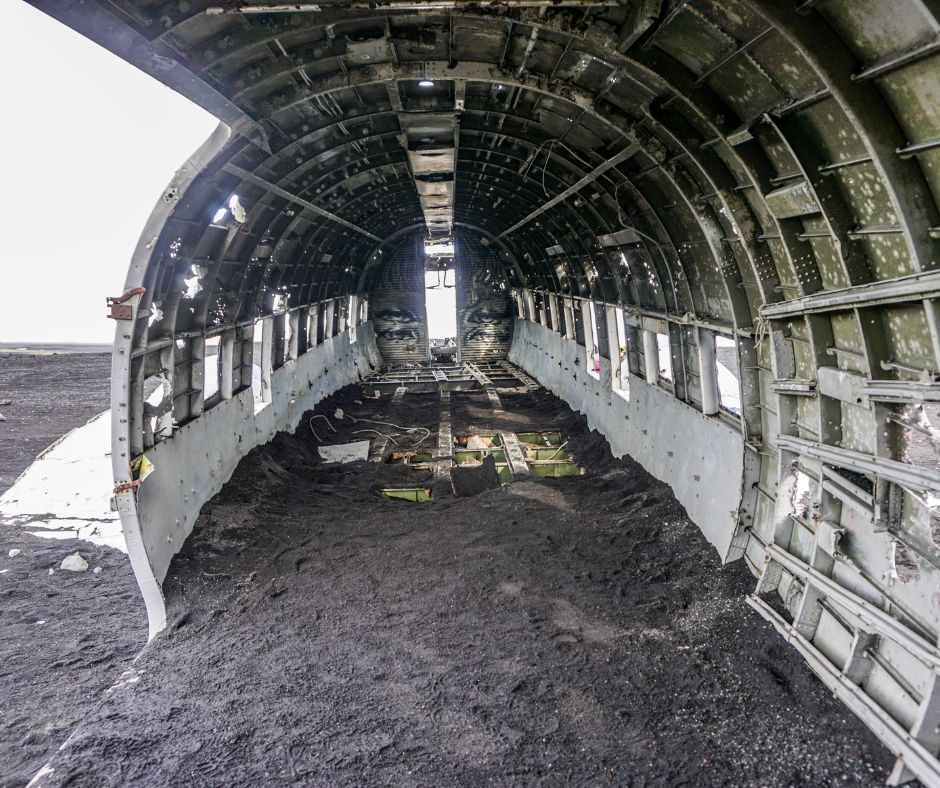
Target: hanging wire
548	156
549	144
761	331
621	216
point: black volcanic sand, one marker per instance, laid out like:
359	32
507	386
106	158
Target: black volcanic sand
51	394
564	631
65	637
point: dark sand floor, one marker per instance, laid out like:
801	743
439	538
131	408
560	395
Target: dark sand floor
64	638
565	631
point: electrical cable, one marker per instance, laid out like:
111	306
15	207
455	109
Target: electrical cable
557	450
380	434
419	442
548	155
548	158
320	416
310	424
406	430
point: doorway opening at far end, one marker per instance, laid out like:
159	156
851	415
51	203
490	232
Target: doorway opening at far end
440	300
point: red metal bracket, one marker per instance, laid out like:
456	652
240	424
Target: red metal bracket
121	310
125	486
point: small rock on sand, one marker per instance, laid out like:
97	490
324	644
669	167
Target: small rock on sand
14	552
74	563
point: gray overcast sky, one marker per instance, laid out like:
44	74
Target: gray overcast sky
88	144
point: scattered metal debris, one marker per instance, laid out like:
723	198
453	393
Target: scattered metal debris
345	452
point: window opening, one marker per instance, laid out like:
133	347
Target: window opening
919	445
530	306
621	365
313	321
796	496
337	313
920	436
665	357
729	378
211	368
158	409
353	319
288	335
261	362
571	325
593	352
579	323
904	562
